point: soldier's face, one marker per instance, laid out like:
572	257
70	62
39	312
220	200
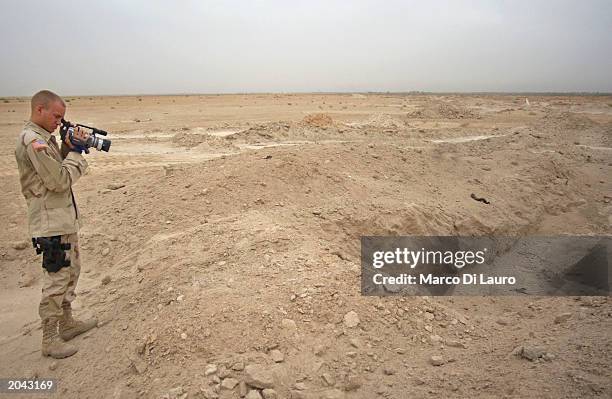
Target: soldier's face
51	116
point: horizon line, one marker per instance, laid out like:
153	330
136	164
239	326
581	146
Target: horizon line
370	92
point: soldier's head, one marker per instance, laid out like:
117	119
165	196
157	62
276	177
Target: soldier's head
48	109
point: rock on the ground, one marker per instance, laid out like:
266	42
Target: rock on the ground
435	339
229	383
351	319
503	321
242	389
210	369
436	360
531	352
209	393
455	344
277	355
115	186
20	245
253	394
176	393
294	394
288	324
224	372
353	382
269	394
258	377
563	317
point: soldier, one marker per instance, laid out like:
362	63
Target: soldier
46	174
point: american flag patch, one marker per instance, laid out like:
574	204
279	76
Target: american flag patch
39	145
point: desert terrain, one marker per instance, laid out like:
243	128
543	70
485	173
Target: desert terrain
221	246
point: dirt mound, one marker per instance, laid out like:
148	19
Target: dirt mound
574	121
448	111
318	120
264	132
442	111
191	140
383	121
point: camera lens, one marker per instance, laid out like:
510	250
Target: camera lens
106	145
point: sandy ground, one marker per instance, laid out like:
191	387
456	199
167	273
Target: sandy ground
224	230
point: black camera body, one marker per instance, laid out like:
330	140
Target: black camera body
93	141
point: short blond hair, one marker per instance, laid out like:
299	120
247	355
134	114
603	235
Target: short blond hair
44	98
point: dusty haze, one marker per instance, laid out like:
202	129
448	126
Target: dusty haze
155	47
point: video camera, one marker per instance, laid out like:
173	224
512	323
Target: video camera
99	143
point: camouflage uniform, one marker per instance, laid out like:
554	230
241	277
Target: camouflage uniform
46	176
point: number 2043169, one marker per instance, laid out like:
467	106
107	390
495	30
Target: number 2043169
8	385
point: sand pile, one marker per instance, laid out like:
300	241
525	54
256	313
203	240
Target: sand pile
383	121
442	111
191	140
318	120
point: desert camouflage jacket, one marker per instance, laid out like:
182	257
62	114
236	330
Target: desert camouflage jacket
46	179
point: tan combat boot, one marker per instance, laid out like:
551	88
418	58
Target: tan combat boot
69	327
52	345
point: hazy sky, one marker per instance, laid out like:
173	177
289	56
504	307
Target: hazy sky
190	46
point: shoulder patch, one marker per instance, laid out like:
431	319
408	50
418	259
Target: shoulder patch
30	136
39	145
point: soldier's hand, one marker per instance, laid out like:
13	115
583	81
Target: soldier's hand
67	142
80	134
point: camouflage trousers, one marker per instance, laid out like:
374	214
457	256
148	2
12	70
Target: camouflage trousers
59	287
